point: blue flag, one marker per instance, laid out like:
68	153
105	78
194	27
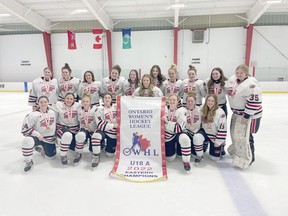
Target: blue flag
126	38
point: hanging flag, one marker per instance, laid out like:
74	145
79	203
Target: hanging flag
126	38
98	38
71	39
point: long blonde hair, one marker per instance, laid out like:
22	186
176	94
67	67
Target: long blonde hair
150	87
207	114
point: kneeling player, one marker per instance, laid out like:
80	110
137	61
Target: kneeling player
213	131
39	131
175	121
106	121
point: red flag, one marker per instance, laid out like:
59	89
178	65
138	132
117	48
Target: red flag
98	38
71	39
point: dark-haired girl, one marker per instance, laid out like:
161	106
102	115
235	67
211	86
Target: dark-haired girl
67	83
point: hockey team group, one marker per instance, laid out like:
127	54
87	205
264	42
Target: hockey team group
60	121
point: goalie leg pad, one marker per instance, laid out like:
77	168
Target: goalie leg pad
242	156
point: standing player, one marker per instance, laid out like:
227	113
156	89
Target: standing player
106	121
173	85
113	84
213	131
245	99
39	131
91	87
216	85
132	83
147	89
157	77
175	121
44	86
192	84
67	83
67	125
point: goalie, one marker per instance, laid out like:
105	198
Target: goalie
245	100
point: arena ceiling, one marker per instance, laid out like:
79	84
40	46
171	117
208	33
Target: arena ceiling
55	16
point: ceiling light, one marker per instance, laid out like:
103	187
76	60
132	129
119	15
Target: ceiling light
177	6
79	11
5	15
273	1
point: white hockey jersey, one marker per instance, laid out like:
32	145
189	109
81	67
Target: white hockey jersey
36	123
105	120
113	87
67	116
197	87
156	83
193	123
40	87
170	88
87	118
216	89
176	122
245	98
216	130
93	89
69	86
128	88
156	92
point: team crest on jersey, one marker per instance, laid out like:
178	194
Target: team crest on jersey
170	89
196	118
107	116
172	118
51	88
66	87
74	114
111	89
187	90
90	119
43	122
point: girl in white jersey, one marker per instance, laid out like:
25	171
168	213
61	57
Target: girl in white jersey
213	131
114	83
245	99
217	85
39	131
90	86
44	86
106	122
86	117
67	83
157	77
67	125
147	89
193	124
132	83
193	84
175	138
173	85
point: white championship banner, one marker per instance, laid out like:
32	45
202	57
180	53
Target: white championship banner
140	150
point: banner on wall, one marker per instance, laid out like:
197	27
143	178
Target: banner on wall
98	38
140	150
126	38
71	40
